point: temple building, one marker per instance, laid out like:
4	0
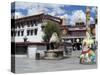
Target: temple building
76	33
27	33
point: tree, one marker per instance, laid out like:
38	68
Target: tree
49	29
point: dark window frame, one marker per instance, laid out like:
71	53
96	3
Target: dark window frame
35	31
18	33
31	32
22	33
28	32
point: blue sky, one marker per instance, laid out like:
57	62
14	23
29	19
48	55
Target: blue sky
71	13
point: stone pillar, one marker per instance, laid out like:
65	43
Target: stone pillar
87	17
32	51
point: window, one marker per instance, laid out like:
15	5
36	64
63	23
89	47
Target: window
28	24
32	24
35	22
28	32
22	32
35	31
31	32
18	33
22	26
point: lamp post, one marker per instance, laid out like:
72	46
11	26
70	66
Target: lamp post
88	19
25	39
25	43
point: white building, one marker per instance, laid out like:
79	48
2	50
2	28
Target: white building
27	34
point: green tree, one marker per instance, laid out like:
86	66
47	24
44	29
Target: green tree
49	29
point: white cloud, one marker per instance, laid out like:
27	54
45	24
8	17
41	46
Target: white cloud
92	21
23	5
66	18
93	9
57	9
46	8
52	13
76	16
17	15
79	15
52	9
35	8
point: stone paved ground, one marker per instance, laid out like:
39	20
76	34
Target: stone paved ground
26	65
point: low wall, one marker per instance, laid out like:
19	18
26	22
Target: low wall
33	49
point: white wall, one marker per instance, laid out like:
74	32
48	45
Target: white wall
33	38
33	49
41	49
